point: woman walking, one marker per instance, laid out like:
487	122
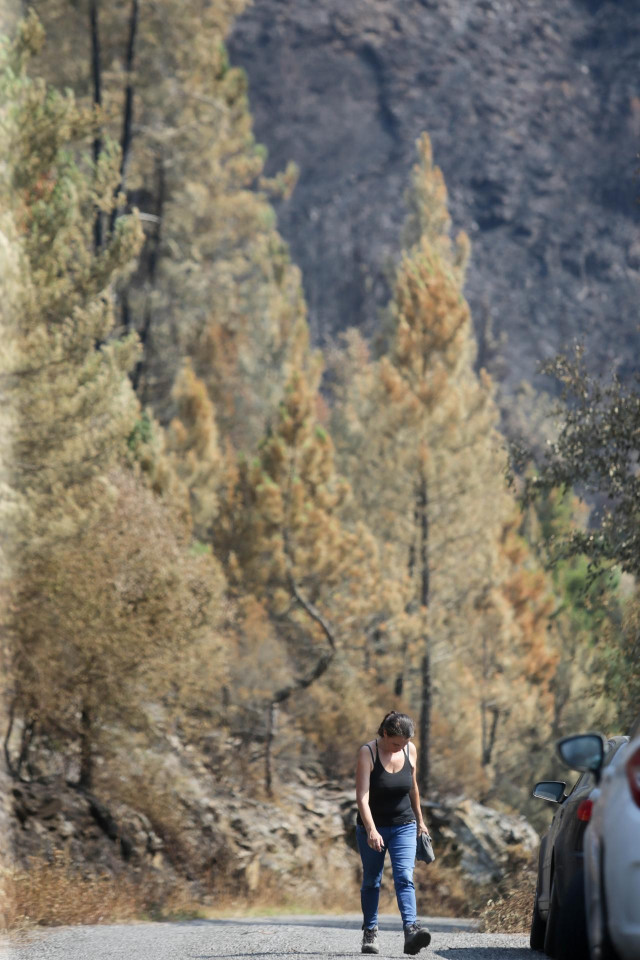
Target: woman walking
389	818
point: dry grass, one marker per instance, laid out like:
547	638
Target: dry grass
272	900
56	893
443	891
509	911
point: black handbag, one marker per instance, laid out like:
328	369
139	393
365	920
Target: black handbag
424	850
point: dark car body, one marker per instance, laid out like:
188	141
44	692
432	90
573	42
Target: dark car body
558	925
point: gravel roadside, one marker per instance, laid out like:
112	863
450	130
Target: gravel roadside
273	937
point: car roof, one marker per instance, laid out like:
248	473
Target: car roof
616	741
611	748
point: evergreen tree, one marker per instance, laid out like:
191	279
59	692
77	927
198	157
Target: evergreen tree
68	402
100	625
587	613
417	436
214	282
592	457
596	452
619	661
10	290
97	573
285	543
193	440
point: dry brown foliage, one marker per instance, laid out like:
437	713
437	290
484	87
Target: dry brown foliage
509	911
113	619
57	892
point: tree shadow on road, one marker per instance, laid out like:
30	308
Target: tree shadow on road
279	953
487	953
448	953
342	923
268	953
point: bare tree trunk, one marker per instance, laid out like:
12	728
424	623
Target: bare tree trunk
483	702
127	119
423	515
6	817
489	737
424	731
487	732
301	683
154	256
411	570
7	756
86	749
125	312
561	687
426	696
411	566
272	721
26	738
97	100
28	733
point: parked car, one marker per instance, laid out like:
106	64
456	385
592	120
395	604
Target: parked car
558	923
612	851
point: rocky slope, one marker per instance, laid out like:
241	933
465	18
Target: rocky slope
534	114
226	842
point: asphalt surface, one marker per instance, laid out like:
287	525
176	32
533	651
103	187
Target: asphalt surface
269	937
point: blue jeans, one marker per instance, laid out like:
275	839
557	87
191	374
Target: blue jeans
401	843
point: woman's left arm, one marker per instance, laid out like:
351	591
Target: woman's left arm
414	793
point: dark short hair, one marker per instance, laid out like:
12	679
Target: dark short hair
397	725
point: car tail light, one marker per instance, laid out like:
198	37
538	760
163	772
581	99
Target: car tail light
633	775
584	810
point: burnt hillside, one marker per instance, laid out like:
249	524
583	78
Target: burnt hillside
534	114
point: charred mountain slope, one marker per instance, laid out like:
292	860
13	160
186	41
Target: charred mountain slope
534	114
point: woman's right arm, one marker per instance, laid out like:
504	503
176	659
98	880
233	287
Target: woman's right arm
363	775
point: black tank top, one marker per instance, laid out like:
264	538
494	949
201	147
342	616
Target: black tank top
389	793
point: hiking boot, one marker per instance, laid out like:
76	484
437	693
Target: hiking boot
370	941
415	938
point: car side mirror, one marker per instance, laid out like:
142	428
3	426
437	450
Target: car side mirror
552	790
583	752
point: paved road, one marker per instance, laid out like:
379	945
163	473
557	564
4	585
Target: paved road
270	937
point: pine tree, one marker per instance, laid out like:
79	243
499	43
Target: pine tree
97	573
417	436
100	624
68	401
193	441
587	610
10	293
286	545
620	663
596	452
214	282
424	396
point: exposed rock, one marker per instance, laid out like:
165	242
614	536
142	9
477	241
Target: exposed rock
534	114
222	838
53	817
482	842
